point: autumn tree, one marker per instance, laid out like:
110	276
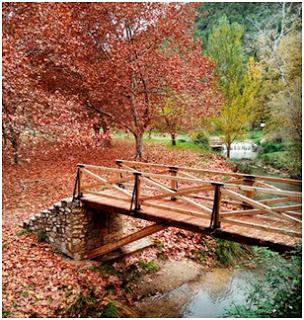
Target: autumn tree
117	59
183	113
285	100
285	18
238	84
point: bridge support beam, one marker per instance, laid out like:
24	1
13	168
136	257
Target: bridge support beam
109	247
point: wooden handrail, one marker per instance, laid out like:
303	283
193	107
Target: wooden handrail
293	194
215	172
180	192
145	174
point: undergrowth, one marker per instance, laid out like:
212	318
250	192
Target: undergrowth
89	306
41	235
279	295
23	232
229	253
148	266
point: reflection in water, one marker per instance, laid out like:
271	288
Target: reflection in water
220	290
207	296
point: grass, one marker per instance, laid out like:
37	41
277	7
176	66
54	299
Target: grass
276	159
104	268
183	141
148	266
23	232
255	136
229	253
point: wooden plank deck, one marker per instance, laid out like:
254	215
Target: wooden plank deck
228	230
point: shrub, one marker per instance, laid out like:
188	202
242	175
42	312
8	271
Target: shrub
256	136
23	232
278	160
89	306
243	167
272	146
201	138
41	235
200	256
294	164
280	294
110	311
104	268
6	314
148	266
228	253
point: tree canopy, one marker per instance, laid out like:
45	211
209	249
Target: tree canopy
118	68
238	84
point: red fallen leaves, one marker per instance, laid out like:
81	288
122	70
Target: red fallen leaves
173	244
39	282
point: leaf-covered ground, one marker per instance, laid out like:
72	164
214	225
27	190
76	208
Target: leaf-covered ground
38	282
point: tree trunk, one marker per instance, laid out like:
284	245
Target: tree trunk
14	140
150	133
173	139
139	146
15	152
228	145
107	135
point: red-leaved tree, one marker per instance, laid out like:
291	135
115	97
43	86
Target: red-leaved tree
119	61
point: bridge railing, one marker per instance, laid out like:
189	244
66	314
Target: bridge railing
233	202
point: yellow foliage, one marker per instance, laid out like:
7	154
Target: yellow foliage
238	109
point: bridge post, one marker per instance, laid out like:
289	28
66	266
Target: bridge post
137	190
174	184
215	222
248	181
77	186
120	175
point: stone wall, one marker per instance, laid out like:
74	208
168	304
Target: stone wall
74	229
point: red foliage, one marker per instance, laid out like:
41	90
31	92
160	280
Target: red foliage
116	63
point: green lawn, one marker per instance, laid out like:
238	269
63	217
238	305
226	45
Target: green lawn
183	141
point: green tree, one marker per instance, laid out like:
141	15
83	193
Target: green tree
263	22
285	104
238	83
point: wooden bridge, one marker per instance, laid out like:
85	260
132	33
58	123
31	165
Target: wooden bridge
255	210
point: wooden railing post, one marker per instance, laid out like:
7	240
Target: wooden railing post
77	186
137	190
120	176
248	181
215	217
174	184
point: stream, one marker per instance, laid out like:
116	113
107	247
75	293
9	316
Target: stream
198	294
